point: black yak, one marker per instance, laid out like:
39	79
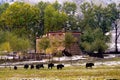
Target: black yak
60	66
31	66
26	66
50	65
38	66
89	65
15	67
41	65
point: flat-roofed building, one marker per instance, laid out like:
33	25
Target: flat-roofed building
74	49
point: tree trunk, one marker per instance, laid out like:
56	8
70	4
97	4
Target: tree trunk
116	48
71	54
5	63
100	54
35	46
49	57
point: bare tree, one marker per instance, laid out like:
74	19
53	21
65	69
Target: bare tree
117	33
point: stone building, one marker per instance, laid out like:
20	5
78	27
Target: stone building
60	36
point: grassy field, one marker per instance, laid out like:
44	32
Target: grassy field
67	73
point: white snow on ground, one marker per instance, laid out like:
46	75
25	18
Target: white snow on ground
74	58
23	62
108	63
110	56
68	58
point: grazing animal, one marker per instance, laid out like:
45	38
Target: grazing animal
38	66
26	66
89	65
31	66
41	65
50	65
15	67
60	66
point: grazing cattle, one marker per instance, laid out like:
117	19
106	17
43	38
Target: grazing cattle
41	65
15	67
38	66
50	65
60	66
89	65
26	66
31	66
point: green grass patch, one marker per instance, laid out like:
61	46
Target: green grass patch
67	73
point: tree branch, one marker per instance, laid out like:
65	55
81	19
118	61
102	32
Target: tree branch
118	35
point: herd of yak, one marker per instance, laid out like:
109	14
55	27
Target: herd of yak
38	66
50	66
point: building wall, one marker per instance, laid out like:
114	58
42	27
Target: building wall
59	36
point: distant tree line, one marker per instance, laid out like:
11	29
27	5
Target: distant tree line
26	22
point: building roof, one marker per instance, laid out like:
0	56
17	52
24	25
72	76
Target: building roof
64	32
